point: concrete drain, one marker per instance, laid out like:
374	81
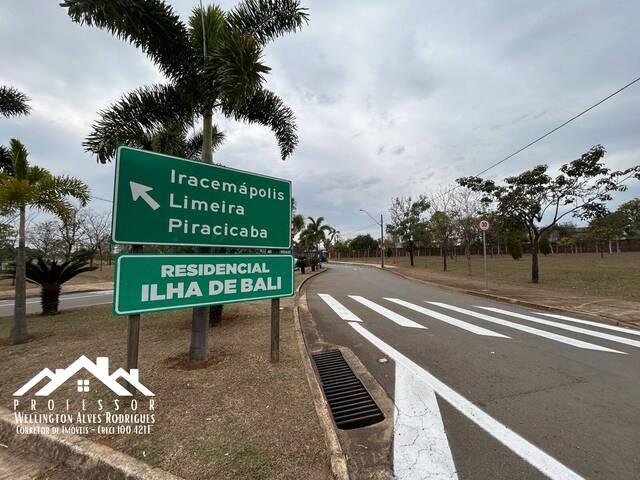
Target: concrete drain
350	403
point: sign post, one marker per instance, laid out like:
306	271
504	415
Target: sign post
164	200
483	226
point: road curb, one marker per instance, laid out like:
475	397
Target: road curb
339	467
524	303
93	460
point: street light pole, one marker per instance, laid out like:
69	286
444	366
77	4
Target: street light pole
381	223
381	242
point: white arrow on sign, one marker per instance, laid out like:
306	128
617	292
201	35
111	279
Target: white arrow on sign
142	191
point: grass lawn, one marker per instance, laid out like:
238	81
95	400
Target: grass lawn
616	276
239	418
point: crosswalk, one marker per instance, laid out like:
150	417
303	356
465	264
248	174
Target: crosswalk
466	319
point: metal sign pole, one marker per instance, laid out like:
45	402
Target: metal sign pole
133	338
275	330
484	248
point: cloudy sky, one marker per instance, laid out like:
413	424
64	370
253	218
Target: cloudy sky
392	98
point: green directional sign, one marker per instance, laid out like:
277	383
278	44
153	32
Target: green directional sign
155	282
164	200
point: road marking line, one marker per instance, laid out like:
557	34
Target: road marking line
595	324
531	330
343	312
542	461
564	326
420	445
393	316
447	319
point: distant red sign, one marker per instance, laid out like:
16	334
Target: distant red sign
483	225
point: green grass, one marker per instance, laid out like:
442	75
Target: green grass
616	276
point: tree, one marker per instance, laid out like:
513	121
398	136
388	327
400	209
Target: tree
608	227
363	243
213	64
13	103
7	241
406	220
45	238
581	189
315	232
71	232
631	210
51	275
32	186
443	220
468	206
544	246
96	228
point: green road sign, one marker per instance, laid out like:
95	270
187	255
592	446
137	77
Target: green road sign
164	200
150	282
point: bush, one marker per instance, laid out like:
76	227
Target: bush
544	247
515	248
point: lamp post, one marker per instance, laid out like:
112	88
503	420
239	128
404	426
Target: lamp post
381	223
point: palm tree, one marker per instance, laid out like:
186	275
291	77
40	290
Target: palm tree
13	103
51	275
32	186
316	232
213	64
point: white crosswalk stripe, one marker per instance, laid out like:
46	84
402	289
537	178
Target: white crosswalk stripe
343	312
525	328
595	324
564	326
470	327
394	317
545	463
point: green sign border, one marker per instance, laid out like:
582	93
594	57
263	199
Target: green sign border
238	257
114	211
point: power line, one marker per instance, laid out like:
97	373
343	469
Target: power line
558	127
103	199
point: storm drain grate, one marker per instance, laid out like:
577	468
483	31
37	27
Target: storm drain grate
350	403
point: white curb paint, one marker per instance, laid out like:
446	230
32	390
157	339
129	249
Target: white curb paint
394	317
420	445
531	330
447	319
545	463
564	326
595	324
343	312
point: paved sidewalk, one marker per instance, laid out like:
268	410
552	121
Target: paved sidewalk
614	310
70	288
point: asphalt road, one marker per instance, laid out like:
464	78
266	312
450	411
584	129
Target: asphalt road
71	300
484	394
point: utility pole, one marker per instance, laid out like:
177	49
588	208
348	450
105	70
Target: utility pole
381	223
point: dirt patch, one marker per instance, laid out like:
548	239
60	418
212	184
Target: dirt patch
240	418
182	362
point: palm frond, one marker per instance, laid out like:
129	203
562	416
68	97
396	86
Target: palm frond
150	25
136	116
58	187
206	27
194	142
266	20
19	160
268	109
236	71
50	272
13	102
6	165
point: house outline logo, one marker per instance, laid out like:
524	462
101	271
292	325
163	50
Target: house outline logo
99	370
